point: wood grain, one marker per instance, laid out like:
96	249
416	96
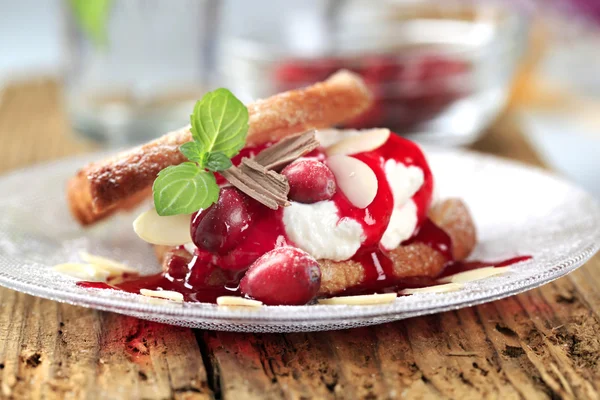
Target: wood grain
542	344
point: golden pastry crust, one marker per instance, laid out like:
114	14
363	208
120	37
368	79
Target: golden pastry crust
409	261
122	181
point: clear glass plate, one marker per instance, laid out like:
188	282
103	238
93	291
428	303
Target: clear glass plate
518	210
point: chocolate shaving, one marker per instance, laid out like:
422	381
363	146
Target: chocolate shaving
261	174
257	177
287	150
266	187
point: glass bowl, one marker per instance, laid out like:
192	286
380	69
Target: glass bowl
439	73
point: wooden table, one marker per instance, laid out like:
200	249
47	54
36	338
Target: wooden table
541	344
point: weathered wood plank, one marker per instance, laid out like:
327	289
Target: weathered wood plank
57	351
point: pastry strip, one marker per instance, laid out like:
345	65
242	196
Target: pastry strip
104	187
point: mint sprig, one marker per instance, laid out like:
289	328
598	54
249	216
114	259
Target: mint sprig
219	127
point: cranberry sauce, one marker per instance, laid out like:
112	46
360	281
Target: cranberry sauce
379	269
197	283
162	281
435	237
379	273
94	285
376	216
408	153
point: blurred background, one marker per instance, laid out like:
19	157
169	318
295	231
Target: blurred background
109	73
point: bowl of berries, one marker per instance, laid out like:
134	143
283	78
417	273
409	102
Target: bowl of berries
437	73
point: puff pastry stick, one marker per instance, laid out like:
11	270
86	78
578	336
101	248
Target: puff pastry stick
104	187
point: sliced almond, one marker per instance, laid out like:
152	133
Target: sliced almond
156	300
173	230
363	300
115	268
474	275
329	137
367	140
355	179
83	271
237	301
448	287
162	294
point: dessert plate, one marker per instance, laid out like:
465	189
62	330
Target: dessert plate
518	210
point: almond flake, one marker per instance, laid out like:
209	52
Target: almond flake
162	294
115	268
355	179
87	272
474	275
448	287
172	230
367	140
156	300
237	301
362	300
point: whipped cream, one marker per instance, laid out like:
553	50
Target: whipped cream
401	226
317	229
404	182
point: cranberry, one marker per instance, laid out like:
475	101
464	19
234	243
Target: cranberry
381	69
223	225
310	181
437	67
283	276
177	266
295	73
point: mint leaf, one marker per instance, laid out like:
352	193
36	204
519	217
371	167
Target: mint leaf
184	189
192	151
220	122
218	162
219	127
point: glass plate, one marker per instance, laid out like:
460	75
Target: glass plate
518	210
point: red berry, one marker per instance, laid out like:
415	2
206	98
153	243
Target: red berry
438	67
177	266
310	181
296	73
222	226
283	276
381	69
